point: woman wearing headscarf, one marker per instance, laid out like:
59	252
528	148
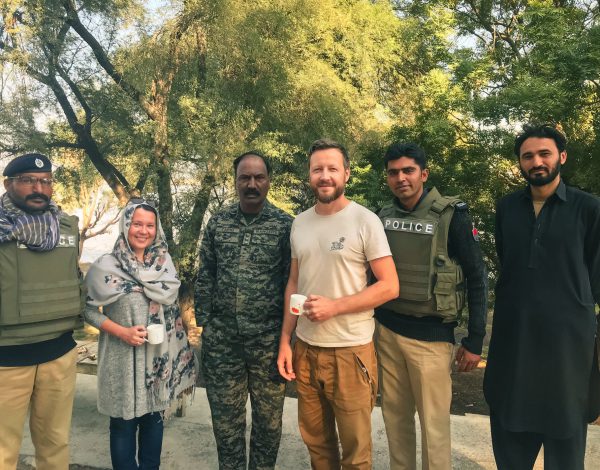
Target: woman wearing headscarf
136	285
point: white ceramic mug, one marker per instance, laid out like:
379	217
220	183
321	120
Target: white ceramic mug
156	333
296	304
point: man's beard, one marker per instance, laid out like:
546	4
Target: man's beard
339	190
541	180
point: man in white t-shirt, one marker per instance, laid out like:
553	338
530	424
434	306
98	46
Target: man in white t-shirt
334	243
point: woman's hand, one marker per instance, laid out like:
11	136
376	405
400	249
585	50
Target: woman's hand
133	335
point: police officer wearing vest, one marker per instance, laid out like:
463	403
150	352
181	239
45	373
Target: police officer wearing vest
40	305
438	259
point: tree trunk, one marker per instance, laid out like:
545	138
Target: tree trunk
115	180
186	253
163	173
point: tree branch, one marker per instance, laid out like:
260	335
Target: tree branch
101	55
104	228
79	95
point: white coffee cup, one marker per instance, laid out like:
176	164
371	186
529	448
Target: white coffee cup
156	333
296	304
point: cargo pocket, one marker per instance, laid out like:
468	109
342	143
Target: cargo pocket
370	375
449	295
356	384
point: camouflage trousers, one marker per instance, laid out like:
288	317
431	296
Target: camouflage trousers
234	367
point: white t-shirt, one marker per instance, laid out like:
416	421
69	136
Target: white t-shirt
333	253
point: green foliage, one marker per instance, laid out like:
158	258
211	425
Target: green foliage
458	77
500	64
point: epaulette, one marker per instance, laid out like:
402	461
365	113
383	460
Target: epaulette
461	206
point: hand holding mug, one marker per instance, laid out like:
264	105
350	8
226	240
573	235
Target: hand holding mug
133	335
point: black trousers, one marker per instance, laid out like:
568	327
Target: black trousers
519	450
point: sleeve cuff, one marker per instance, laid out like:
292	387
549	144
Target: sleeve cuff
473	343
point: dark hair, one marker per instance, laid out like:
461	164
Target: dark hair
544	131
251	153
406	149
324	144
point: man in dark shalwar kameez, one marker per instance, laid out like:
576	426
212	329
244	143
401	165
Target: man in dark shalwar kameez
542	364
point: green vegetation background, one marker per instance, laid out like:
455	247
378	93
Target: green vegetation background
159	100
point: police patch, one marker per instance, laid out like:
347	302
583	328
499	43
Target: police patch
423	227
39	163
475	233
66	241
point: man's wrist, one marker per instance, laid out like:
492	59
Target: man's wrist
337	307
285	338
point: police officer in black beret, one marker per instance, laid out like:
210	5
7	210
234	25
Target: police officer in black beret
22	175
40	305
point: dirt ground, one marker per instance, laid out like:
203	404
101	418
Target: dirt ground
467	387
467	393
26	464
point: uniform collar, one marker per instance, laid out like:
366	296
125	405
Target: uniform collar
427	193
240	215
560	193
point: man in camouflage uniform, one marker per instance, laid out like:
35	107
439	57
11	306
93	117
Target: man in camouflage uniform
245	258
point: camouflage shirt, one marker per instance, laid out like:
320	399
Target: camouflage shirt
244	268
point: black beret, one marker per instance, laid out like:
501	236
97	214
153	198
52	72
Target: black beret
28	163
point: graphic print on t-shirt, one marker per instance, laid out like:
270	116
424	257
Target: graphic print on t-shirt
338	245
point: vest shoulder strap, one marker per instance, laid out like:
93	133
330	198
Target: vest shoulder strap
443	208
442	203
69	220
